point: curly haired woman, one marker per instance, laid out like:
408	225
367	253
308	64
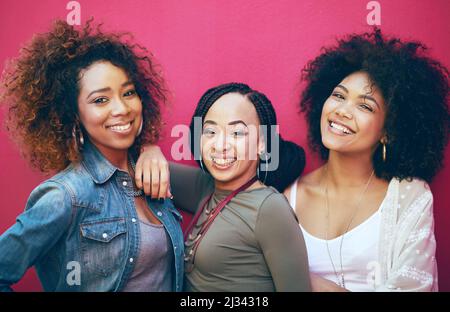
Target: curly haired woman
377	113
82	102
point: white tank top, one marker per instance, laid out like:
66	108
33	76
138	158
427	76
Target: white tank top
359	252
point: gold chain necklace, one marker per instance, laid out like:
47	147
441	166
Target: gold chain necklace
340	278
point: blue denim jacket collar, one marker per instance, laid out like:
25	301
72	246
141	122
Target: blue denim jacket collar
99	168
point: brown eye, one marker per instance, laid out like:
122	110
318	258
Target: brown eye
208	132
238	133
366	107
130	93
100	100
338	95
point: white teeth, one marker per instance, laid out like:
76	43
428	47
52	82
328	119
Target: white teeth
340	127
223	162
120	128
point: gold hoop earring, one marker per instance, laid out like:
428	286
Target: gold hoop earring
77	135
81	137
384	152
140	128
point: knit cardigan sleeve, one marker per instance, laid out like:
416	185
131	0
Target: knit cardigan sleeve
407	242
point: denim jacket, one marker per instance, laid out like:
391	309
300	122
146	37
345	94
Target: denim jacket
80	230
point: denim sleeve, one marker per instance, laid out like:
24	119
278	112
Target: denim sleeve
46	217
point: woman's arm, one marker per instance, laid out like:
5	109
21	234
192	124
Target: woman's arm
45	219
188	184
282	243
152	172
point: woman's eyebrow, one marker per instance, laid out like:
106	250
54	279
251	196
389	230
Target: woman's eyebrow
98	90
368	97
210	122
231	123
342	87
235	122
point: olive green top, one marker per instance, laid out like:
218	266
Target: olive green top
254	244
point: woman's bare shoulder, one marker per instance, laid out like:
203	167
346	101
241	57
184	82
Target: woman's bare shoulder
310	180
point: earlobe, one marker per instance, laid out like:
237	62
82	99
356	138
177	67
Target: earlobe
261	150
261	146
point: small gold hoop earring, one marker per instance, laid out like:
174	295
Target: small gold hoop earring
77	135
384	152
140	128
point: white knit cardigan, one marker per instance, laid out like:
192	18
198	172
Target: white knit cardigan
407	244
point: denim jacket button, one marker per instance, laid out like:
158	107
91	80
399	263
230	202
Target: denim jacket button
131	260
159	213
124	183
105	235
133	220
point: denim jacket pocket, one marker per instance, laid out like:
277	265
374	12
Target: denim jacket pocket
103	245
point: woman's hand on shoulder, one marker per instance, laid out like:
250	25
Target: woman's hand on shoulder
152	172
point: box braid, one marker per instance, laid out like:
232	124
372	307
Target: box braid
292	156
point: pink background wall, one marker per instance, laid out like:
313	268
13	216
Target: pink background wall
203	43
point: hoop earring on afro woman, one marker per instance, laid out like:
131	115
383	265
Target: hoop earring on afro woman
384	141
140	127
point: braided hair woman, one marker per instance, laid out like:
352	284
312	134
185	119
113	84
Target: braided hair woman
244	236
